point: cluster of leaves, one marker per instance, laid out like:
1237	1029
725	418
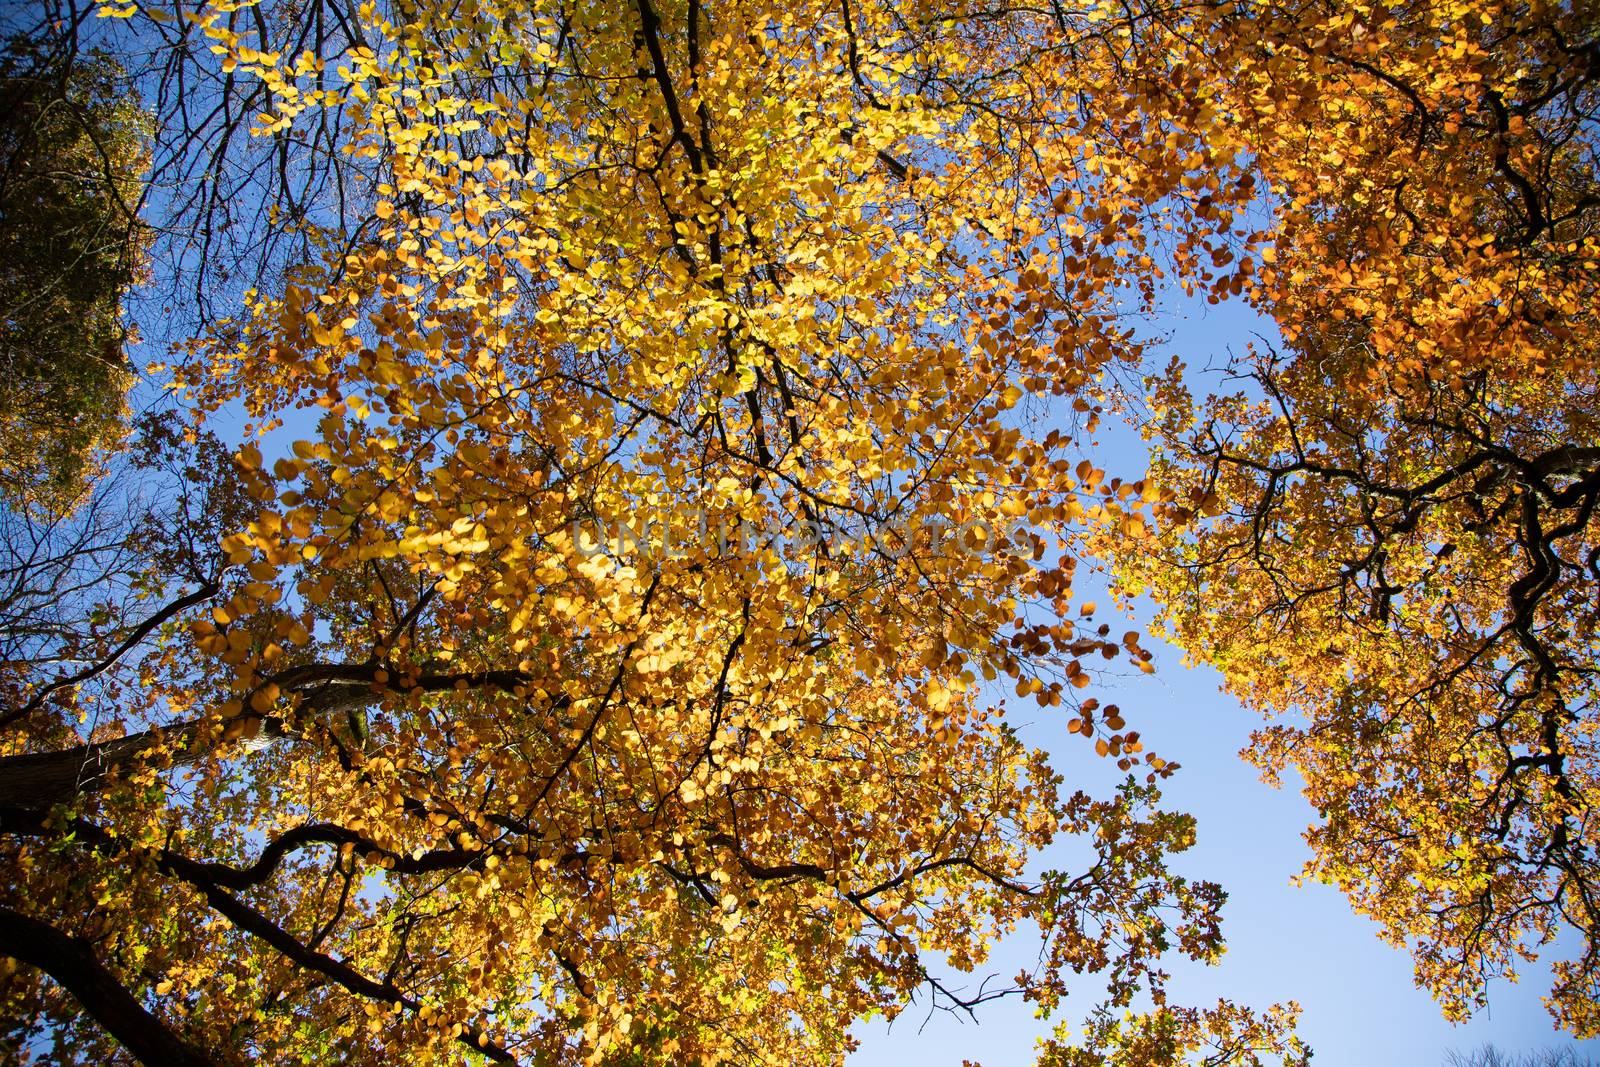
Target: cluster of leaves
1383	533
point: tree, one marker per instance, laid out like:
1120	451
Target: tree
1383	535
71	153
634	504
1489	1056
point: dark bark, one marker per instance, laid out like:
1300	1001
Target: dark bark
40	779
74	966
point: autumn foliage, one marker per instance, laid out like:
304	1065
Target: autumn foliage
1386	538
663	465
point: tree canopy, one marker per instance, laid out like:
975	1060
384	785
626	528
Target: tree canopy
71	156
1385	538
624	452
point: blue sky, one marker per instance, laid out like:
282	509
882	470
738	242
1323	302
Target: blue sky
1359	1004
